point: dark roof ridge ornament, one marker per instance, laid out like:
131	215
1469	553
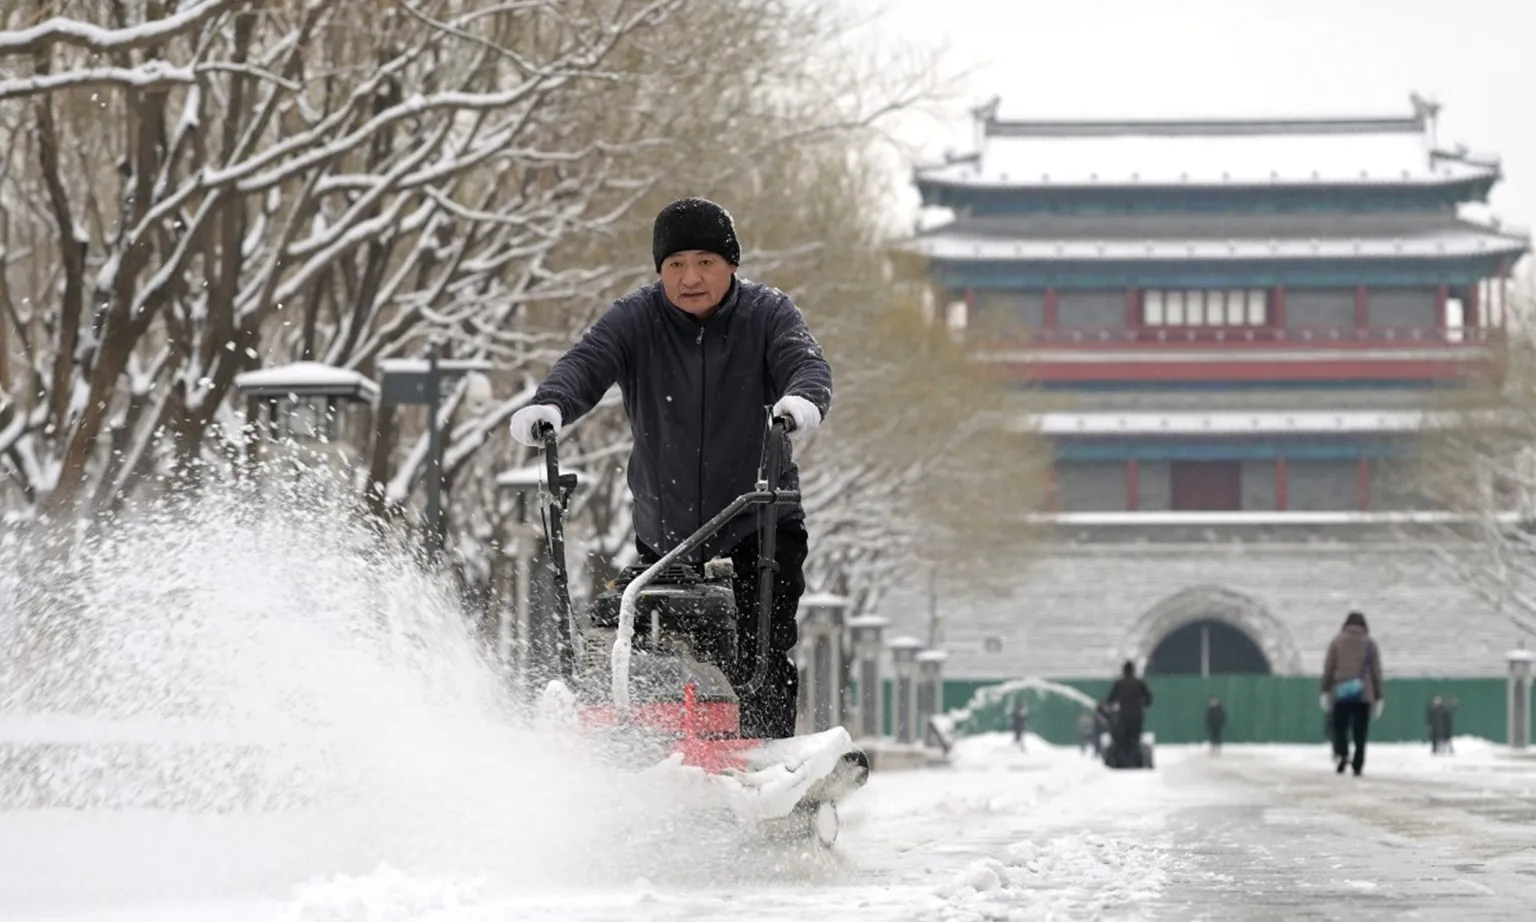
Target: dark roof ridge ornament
1426	112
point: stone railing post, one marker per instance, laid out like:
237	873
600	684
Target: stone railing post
930	688
904	652
820	655
865	635
1519	709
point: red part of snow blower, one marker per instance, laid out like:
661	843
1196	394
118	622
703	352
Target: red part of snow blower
674	690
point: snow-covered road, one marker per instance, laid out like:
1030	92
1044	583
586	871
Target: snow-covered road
1256	833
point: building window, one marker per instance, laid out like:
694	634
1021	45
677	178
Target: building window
1212	307
1206	486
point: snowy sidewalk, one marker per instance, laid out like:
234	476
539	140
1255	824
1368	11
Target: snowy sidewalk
1274	833
1259	833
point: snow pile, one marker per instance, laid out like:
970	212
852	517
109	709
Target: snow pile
387	895
1064	876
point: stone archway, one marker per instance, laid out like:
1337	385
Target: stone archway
1207	647
1213	605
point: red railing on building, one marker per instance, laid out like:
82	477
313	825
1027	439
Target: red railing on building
1235	337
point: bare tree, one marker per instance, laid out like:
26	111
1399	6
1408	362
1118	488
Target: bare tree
197	192
188	192
1476	460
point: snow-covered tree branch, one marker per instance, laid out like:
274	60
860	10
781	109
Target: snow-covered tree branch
1479	462
192	190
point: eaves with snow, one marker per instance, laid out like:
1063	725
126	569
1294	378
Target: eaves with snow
1184	153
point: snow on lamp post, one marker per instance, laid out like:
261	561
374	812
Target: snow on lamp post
904	652
1519	697
865	636
516	637
303	404
420	381
820	652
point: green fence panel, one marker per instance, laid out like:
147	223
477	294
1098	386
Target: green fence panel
1260	709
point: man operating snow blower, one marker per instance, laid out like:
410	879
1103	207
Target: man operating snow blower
698	355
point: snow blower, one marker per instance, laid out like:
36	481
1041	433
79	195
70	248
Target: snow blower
671	692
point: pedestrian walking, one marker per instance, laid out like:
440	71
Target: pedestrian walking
1020	721
1352	690
1215	723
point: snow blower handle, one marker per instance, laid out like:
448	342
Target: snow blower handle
767	493
767	547
558	488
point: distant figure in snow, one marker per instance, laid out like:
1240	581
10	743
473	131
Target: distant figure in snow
1433	716
1437	719
1215	722
1352	690
1131	697
1020	720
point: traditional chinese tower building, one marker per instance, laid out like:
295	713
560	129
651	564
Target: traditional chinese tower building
1239	323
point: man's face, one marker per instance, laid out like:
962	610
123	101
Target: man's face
696	280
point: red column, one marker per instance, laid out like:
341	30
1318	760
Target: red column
1363	484
1471	318
1052	319
1502	295
1277	307
1132	309
1442	294
1279	484
1132	485
1362	308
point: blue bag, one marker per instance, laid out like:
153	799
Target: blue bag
1354	689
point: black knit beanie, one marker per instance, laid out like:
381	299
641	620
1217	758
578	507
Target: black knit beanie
694	224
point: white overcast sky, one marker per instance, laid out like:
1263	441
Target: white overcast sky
1154	58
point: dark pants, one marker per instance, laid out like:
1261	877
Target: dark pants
1351	721
1128	738
1215	736
770	712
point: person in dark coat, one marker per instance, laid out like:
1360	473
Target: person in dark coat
1434	723
1352	690
698	355
1215	722
1130	697
1019	717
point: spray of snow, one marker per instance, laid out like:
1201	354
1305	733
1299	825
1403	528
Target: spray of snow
963	720
266	684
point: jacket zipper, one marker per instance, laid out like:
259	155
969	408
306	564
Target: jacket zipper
703	391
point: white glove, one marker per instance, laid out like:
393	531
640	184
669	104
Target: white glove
524	421
1380	706
799	411
1322	701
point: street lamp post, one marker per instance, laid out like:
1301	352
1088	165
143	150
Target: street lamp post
420	381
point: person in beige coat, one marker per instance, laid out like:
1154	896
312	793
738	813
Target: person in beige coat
1352	689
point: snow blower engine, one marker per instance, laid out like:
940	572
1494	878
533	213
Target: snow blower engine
654	663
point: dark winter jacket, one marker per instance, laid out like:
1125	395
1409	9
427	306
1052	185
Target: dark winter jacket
1345	660
696	393
1132	694
1215	718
